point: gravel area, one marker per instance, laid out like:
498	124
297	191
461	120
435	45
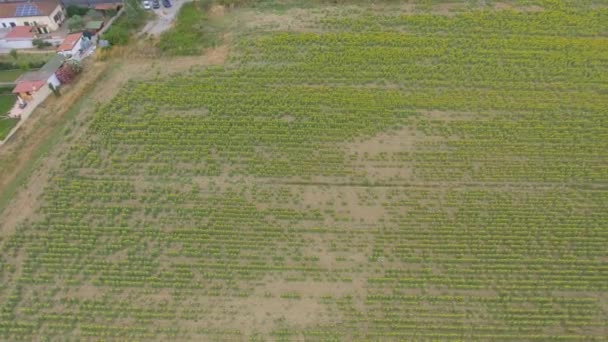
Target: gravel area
164	18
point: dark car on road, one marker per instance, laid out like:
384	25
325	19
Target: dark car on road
155	4
167	3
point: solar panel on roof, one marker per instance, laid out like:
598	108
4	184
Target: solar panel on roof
26	10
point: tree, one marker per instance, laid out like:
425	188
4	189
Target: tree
76	23
134	11
75	65
13	54
117	35
73	10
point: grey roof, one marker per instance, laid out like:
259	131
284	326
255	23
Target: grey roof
45	72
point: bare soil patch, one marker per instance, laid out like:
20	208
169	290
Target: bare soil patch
217	11
501	6
448	8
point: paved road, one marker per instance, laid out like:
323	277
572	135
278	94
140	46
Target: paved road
164	18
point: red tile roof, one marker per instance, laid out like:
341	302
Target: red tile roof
69	42
26	86
20	32
15	9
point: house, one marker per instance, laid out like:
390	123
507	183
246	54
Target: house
28	84
71	45
44	15
75	45
19	37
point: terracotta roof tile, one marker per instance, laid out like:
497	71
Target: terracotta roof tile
20	32
69	42
26	86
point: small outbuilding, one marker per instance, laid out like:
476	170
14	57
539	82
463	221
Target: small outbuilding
94	26
70	45
28	84
19	37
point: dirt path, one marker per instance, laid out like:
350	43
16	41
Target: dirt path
164	18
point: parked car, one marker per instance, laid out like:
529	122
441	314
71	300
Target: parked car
147	5
155	4
167	3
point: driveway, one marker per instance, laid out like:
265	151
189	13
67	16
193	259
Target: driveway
164	18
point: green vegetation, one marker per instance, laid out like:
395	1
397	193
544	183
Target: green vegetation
75	23
6	123
10	75
192	31
6	102
74	10
123	27
24	61
41	43
345	176
119	33
14	54
6	89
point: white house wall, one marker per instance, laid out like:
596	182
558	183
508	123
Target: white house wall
16	44
40	20
53	80
74	52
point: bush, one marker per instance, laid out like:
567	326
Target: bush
117	35
76	23
120	31
36	65
22	65
74	65
134	13
7	66
40	43
68	71
73	10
